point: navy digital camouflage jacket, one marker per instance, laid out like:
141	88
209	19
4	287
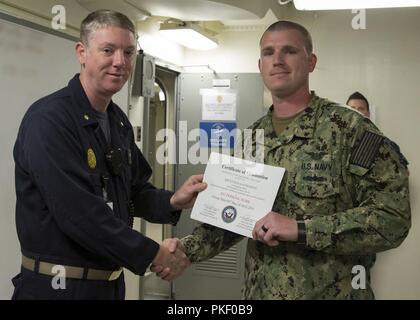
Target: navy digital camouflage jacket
350	185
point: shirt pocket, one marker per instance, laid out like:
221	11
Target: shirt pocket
313	193
314	185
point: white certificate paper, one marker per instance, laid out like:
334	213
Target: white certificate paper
239	193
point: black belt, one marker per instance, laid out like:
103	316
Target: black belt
71	271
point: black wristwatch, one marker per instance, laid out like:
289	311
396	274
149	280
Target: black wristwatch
301	239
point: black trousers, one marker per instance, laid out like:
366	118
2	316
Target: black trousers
34	286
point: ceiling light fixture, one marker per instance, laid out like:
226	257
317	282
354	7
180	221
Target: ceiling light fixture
188	34
353	4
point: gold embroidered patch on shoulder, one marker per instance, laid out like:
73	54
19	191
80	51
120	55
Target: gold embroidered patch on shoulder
91	158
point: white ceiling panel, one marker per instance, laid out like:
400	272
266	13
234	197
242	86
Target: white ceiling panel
188	10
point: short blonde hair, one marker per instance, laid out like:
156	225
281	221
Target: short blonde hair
102	19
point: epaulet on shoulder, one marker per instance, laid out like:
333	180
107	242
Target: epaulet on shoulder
393	145
47	104
352	110
48	101
53	96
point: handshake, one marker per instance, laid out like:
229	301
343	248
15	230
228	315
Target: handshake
170	261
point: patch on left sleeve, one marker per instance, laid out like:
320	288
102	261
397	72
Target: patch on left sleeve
365	152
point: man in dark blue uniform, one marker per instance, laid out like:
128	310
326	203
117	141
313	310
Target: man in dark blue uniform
80	179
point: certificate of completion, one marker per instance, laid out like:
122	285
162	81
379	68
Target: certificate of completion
238	193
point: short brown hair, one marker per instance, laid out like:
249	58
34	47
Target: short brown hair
102	19
289	25
358	96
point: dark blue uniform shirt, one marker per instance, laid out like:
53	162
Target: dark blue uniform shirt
64	185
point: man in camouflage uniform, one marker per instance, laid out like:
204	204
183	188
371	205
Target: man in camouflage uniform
343	198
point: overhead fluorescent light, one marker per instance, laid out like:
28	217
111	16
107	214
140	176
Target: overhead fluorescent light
353	4
189	35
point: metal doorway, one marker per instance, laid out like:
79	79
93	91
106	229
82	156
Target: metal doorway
159	114
220	277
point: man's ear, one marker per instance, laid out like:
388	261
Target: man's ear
81	52
312	62
259	64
